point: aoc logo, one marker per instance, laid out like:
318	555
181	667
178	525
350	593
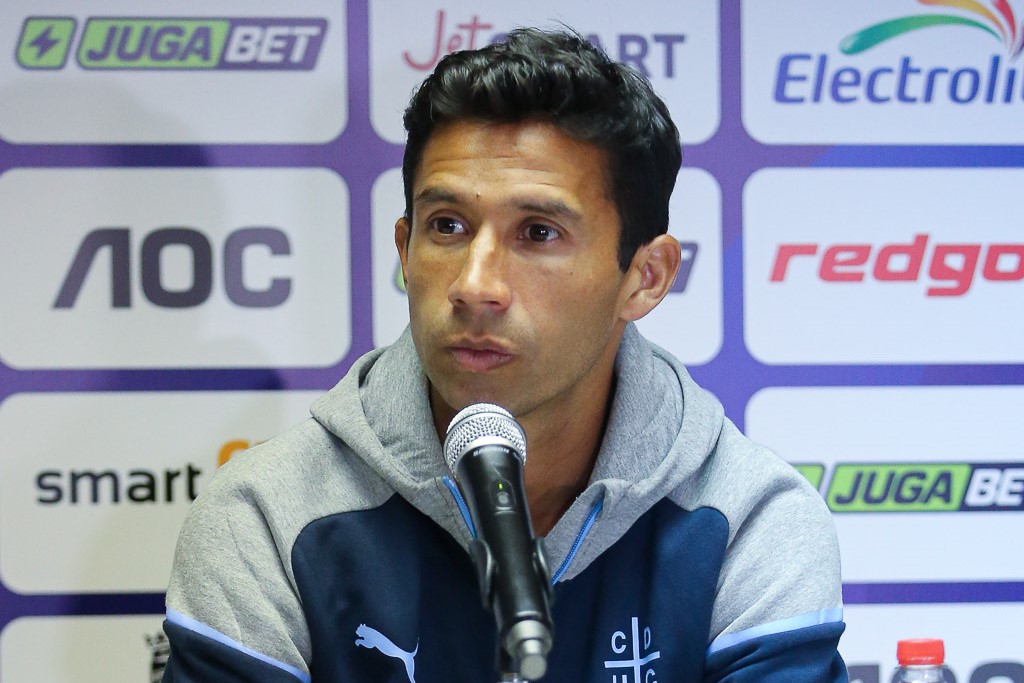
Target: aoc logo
802	77
149	268
653	55
277	43
926	487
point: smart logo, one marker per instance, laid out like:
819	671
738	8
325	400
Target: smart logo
78	485
803	78
926	487
277	43
109	485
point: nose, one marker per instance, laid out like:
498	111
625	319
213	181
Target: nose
482	285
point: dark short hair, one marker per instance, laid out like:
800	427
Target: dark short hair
561	78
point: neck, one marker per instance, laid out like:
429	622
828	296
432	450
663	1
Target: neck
561	460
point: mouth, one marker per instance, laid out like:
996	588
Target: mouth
480	356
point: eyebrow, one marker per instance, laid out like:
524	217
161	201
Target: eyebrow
548	207
431	195
551	207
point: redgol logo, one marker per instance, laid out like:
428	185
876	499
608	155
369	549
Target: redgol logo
951	268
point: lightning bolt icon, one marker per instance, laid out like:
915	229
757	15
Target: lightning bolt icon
44	42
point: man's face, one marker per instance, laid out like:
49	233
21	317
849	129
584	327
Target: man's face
515	294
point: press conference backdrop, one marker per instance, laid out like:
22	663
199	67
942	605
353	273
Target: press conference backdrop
197	206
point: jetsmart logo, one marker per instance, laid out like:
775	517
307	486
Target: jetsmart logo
802	78
277	43
921	487
653	55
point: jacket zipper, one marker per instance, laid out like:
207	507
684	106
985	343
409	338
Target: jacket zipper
576	544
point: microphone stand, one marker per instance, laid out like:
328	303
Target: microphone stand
530	638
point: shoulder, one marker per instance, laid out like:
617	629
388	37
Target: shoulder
782	557
282	485
746	481
772	480
234	550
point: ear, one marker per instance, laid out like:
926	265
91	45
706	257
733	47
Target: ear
650	276
402	234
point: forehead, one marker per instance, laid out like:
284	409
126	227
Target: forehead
530	156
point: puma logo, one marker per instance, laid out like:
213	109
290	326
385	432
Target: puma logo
371	638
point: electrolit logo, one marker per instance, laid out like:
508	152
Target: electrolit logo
277	43
920	487
1003	27
803	78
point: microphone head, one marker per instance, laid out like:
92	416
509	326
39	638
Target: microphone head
482	424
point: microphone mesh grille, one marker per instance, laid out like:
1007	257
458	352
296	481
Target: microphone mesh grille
482	420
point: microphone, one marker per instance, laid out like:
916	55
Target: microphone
486	449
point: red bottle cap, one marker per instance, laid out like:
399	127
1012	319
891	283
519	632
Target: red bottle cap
918	652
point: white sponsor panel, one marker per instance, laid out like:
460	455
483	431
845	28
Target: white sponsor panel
160	268
127	71
687	323
982	641
94	486
82	649
675	44
881	71
883	266
930	430
390	305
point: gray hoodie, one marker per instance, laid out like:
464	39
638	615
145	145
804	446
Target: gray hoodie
717	555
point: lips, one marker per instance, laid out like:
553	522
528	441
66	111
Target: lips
479	356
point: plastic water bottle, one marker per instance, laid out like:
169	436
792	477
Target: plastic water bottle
921	661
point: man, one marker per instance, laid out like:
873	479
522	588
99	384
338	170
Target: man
537	180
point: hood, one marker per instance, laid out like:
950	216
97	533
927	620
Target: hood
661	428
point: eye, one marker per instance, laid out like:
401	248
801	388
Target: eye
446	225
538	232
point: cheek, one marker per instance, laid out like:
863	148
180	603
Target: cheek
427	294
591	291
423	275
